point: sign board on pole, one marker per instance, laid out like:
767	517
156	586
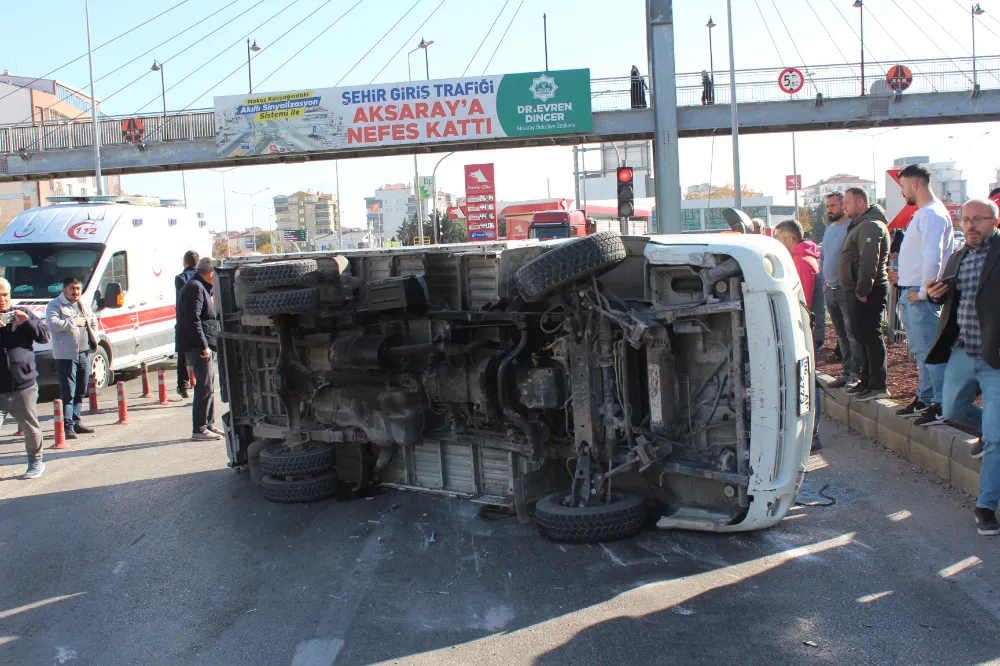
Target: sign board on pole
899	77
426	187
442	110
480	199
791	80
793	183
133	130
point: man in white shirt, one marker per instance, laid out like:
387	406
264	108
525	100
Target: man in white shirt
926	248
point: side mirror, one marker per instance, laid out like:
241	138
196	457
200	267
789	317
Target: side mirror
737	220
113	296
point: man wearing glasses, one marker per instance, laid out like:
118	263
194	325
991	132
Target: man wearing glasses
968	340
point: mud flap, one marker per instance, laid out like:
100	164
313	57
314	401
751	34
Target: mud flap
529	487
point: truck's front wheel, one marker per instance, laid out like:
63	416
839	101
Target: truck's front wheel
624	516
292	491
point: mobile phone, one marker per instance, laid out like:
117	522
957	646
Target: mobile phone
6	318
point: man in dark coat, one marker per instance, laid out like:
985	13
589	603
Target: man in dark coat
968	340
197	331
638	90
19	331
190	261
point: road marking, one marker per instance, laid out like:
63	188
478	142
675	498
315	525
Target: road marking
614	558
318	652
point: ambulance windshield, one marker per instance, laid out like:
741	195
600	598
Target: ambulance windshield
37	270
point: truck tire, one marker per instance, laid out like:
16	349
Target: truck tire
294	273
568	263
314	458
620	519
281	302
299	490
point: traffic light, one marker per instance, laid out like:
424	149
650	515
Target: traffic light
626	196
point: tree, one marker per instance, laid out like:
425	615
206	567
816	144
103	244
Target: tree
723	192
219	249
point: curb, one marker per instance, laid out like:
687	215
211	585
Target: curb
941	450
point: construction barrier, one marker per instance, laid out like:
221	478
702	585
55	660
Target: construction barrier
144	369
122	405
92	393
161	380
58	427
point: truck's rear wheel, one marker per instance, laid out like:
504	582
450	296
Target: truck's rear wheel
313	458
622	518
292	491
281	302
293	273
569	262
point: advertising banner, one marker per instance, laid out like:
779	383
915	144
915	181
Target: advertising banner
443	110
480	199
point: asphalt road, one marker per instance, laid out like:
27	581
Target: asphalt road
139	546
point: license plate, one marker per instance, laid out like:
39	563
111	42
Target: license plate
805	386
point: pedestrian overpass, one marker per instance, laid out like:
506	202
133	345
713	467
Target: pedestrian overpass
949	90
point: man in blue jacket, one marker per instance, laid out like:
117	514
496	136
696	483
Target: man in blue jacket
197	331
19	331
190	261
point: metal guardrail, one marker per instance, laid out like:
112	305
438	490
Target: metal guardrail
610	94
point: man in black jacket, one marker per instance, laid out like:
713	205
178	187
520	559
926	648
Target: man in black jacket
862	270
19	331
190	261
968	340
197	330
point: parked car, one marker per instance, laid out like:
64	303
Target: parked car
583	381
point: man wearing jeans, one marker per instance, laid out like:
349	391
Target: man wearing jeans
862	272
838	301
968	340
925	251
197	330
74	336
19	331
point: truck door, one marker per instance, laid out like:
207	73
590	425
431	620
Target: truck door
120	325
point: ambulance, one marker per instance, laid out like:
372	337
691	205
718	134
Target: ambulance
126	252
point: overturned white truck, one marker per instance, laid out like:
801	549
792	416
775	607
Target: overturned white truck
588	383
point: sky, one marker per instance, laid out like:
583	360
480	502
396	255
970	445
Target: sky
606	37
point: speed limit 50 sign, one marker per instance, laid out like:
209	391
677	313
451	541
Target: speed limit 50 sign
790	80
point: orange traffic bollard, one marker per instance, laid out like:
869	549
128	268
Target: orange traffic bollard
145	381
92	394
122	405
161	380
58	428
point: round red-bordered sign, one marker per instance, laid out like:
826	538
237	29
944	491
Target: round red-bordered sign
791	80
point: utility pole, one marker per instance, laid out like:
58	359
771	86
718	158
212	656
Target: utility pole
735	119
340	219
795	178
545	39
93	107
660	37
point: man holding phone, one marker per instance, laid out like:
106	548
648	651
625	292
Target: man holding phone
19	331
968	340
197	333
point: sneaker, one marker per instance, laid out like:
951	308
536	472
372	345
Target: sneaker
68	433
205	436
856	388
874	394
81	429
930	416
986	520
978	448
183	392
916	405
217	431
840	382
35	469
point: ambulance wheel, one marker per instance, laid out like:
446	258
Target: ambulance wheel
294	273
100	369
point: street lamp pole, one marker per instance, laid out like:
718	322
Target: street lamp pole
711	56
424	44
340	220
225	207
253	223
93	108
253	48
874	173
976	11
737	186
860	5
158	67
434	195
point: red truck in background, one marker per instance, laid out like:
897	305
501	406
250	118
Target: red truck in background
571	223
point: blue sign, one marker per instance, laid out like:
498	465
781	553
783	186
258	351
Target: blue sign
480	235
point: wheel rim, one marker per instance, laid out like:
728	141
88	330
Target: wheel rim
99	369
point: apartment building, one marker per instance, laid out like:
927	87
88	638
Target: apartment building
306	213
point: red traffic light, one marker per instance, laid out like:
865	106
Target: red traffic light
624	174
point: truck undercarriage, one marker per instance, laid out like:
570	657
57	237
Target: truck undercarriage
575	381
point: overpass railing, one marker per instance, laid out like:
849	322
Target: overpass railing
608	94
